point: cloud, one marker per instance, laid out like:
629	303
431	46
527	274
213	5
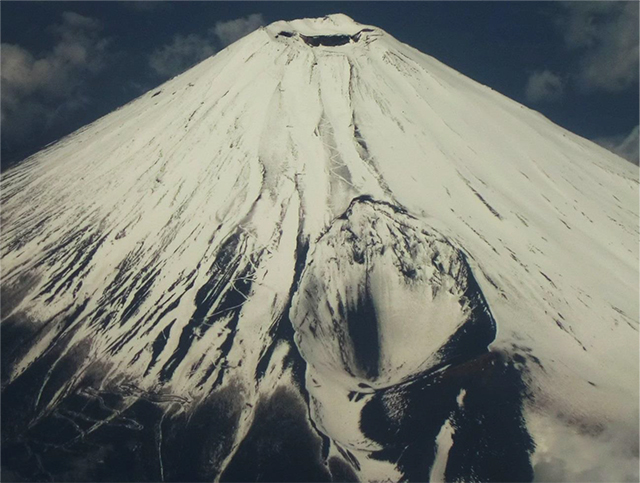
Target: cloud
624	145
604	35
565	454
185	51
37	89
180	54
544	86
232	30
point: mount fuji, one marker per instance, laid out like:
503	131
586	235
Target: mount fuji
320	255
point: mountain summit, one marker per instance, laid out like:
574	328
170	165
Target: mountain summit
320	255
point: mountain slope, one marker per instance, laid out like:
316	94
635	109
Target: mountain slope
322	224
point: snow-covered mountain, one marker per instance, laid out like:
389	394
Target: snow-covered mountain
320	255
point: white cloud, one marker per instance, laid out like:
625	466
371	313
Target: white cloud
624	145
605	36
566	454
232	30
37	89
185	51
544	86
180	54
73	22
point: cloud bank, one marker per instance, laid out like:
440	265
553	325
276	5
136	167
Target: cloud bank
625	146
38	90
232	30
180	54
185	51
602	39
544	86
604	36
565	454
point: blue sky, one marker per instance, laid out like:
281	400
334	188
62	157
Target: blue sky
65	64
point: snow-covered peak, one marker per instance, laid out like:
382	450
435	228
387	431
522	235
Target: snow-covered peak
320	206
331	30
